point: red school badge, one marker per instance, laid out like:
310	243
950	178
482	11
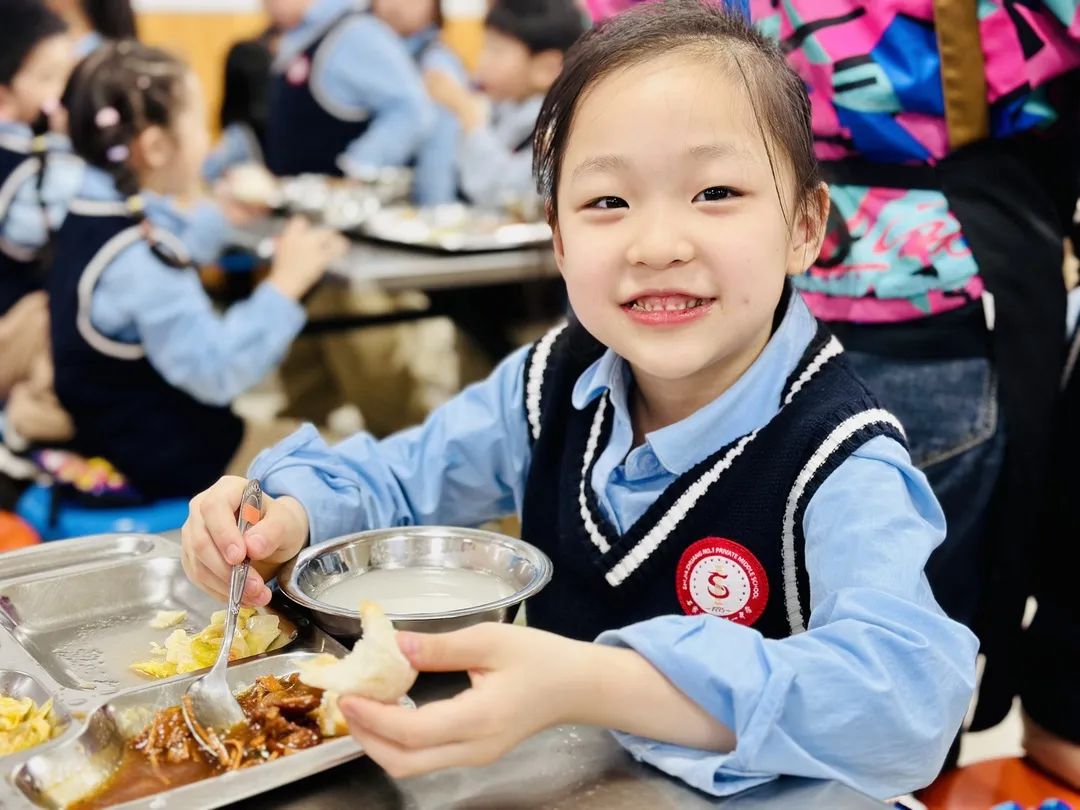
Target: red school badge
298	71
722	578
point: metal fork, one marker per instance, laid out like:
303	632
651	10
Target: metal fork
209	706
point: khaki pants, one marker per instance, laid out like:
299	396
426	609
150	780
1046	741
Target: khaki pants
24	335
394	374
33	413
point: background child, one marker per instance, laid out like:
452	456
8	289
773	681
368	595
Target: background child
722	498
418	23
91	22
144	364
345	96
35	59
524	43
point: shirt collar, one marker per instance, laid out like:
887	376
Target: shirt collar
162	211
748	405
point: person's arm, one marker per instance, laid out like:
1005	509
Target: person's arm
490	171
34	211
211	356
436	178
368	72
236	146
465	464
873	693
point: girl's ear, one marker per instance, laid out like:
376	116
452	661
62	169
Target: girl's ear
7	103
152	149
808	232
557	243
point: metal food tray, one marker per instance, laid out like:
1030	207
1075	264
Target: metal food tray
74	616
445	229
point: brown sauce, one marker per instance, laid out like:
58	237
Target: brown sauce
165	755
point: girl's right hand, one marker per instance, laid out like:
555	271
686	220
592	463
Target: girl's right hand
301	256
211	543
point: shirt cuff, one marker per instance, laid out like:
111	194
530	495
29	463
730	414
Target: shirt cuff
302	467
287	315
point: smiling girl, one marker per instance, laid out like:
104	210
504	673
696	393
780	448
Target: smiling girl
732	515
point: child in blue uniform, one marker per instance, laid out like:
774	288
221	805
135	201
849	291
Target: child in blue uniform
345	96
524	43
418	23
144	364
35	59
731	514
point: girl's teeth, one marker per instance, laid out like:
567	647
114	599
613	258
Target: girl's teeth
670	306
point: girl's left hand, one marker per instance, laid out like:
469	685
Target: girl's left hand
523	681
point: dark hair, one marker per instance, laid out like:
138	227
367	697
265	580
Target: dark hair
541	25
701	28
247	80
115	94
113	19
27	23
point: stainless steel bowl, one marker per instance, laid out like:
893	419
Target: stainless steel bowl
523	567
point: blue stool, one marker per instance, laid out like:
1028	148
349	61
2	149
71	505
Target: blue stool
36	507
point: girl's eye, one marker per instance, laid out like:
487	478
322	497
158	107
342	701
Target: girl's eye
715	194
607	203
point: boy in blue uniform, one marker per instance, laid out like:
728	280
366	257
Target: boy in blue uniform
345	96
730	512
524	43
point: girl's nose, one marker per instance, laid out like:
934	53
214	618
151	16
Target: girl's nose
659	245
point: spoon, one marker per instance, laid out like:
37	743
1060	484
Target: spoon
209	706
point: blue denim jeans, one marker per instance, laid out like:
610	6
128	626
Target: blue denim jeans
950	413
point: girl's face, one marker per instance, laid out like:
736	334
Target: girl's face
40	81
406	17
670	235
170	160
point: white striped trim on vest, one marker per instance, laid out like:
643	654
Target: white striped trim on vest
591	528
534	382
840	434
656	536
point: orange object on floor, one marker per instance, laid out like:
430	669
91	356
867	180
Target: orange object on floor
15	533
982	785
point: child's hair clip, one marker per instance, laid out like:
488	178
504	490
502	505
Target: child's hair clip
107	117
118	153
135	204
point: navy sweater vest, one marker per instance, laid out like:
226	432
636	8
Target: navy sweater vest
21	273
166	442
724	539
304	133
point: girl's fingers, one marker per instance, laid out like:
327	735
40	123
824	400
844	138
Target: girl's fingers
440	723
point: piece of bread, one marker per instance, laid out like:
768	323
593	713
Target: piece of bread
252	184
375	668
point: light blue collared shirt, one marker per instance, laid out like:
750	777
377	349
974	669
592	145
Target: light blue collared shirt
871	694
29	218
436	179
140	299
491	172
366	70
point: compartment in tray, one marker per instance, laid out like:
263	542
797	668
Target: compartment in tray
19	685
79	766
52	557
86	628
